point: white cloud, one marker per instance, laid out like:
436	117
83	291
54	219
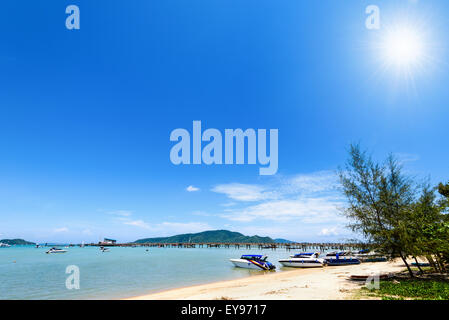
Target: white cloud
307	198
309	210
137	223
192	189
63	229
322	181
244	192
328	232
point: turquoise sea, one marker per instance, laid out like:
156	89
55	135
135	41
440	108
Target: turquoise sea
27	272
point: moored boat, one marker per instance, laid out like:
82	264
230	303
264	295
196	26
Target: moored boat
303	260
340	258
56	250
366	256
256	262
4	245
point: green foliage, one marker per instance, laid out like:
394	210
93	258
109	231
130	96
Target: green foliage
392	212
216	236
443	189
16	242
412	288
379	198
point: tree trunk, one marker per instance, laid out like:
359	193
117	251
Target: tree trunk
417	264
432	263
408	267
441	263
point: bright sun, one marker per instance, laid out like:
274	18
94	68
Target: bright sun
403	47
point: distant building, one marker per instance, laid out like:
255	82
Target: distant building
107	241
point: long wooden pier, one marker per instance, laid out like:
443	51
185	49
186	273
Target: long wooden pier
272	246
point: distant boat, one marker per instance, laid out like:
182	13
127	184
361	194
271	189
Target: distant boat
303	260
366	256
4	245
257	262
103	249
340	258
421	264
56	250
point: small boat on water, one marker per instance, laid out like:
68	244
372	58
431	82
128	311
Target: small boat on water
303	260
340	258
56	250
251	261
4	245
103	249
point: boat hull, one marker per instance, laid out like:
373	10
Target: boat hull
341	262
300	263
242	263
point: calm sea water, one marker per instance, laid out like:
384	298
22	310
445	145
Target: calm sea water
27	272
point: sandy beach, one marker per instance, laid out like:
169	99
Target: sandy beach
329	283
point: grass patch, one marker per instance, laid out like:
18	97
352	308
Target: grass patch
428	289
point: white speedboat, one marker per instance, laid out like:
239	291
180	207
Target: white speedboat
340	258
367	256
56	250
253	261
303	260
4	245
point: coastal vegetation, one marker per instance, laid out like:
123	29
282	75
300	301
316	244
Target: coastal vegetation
395	214
16	242
416	289
216	236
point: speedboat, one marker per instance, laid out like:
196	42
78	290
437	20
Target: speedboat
4	245
340	258
56	250
103	249
251	261
367	256
303	260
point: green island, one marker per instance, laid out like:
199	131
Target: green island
216	236
12	242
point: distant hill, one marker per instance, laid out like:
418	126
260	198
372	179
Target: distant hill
217	236
280	240
15	242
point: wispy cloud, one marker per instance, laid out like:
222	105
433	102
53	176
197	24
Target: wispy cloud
62	229
137	223
120	213
244	192
406	157
192	189
308	198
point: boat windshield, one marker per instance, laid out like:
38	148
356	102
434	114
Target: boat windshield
253	257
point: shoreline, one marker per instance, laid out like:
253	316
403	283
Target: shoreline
327	283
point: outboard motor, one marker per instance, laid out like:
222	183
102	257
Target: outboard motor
270	266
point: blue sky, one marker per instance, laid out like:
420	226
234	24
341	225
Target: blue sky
86	115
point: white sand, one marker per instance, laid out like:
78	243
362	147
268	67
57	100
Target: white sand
297	284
